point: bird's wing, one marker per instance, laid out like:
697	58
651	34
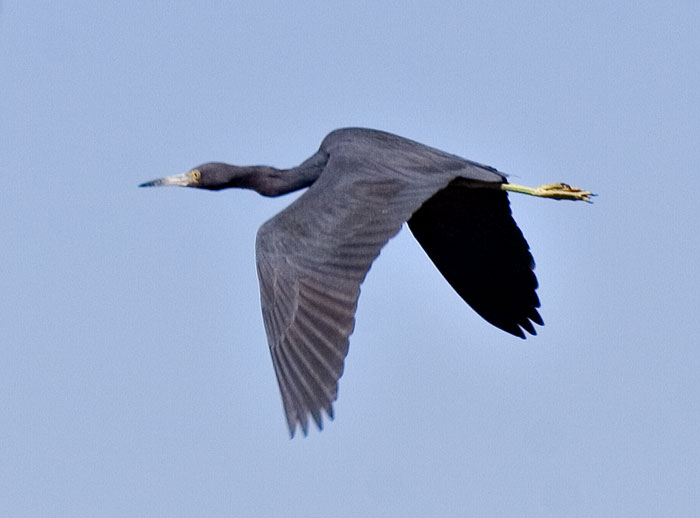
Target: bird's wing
471	237
312	258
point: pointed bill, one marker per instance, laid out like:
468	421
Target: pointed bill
183	179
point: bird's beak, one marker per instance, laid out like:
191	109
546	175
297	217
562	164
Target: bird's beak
184	179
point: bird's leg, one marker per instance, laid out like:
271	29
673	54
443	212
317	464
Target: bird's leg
557	191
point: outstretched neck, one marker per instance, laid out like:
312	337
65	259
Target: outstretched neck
269	181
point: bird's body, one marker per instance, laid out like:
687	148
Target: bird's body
362	186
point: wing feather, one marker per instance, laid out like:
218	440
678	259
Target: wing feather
313	256
473	240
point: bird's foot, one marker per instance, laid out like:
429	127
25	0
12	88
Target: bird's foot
556	191
563	191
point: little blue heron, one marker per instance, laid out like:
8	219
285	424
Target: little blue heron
362	186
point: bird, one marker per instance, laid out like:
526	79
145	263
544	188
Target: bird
362	185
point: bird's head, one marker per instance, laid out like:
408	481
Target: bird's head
211	176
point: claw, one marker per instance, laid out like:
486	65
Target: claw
563	191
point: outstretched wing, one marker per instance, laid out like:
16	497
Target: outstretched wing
312	258
471	237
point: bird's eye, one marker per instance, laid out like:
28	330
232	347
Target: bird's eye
196	175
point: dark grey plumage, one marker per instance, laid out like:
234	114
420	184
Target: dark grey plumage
313	256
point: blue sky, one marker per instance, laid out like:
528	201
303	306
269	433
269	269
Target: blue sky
135	378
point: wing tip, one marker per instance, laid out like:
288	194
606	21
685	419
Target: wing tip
301	420
522	326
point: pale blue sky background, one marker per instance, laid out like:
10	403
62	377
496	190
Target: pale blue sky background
135	378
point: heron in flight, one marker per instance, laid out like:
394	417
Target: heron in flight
363	185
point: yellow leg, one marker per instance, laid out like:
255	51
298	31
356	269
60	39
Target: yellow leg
557	191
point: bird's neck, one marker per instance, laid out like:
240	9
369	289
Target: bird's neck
269	181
